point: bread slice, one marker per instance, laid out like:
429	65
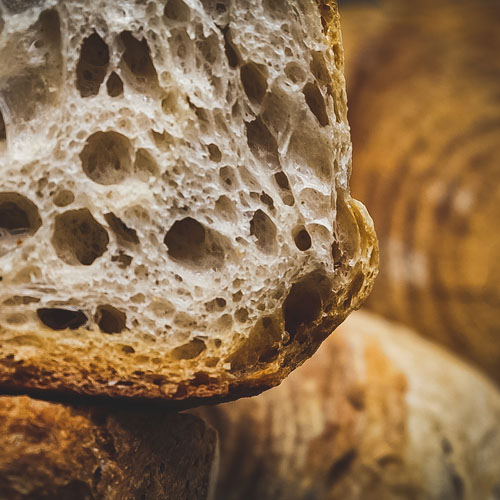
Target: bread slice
56	451
429	172
377	413
175	210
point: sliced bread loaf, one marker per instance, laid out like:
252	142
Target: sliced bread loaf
175	213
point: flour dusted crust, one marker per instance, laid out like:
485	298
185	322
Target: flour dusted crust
175	216
52	450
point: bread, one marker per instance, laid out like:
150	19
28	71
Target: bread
180	227
429	171
361	23
56	451
377	413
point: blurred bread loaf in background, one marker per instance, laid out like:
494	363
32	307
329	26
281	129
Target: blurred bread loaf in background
377	413
424	108
56	451
166	229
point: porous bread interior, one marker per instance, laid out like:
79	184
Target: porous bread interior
171	174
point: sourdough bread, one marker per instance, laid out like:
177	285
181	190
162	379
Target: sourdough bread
175	210
377	413
56	451
428	74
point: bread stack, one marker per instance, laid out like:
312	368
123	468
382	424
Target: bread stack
176	228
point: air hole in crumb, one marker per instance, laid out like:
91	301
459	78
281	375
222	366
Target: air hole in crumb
264	229
302	306
190	350
214	152
320	70
267	200
121	230
316	103
33	80
78	238
63	198
336	254
109	319
163	140
169	103
18	215
92	65
137	58
260	346
214	305
254	80
232	55
262	143
241	315
18	300
3	130
61	319
227	176
211	362
285	190
295	73
225	208
106	157
114	85
189	242
302	239
122	259
176	10
145	164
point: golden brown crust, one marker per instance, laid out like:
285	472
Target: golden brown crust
428	171
377	413
60	451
